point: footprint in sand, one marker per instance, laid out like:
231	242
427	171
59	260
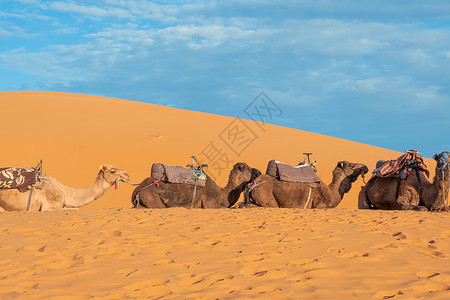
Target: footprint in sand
164	261
335	250
310	274
36	250
251	270
432	252
155	287
309	262
399	235
356	254
264	289
431	287
276	274
200	282
389	247
24	286
325	238
426	274
437	277
128	272
387	294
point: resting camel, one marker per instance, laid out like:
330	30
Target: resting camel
380	193
271	192
52	195
165	195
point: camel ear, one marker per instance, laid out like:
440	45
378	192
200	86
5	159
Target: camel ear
340	165
100	167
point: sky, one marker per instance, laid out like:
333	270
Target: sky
375	72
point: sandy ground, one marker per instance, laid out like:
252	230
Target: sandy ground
226	254
107	250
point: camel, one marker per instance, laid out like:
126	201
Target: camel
380	193
268	191
52	195
163	195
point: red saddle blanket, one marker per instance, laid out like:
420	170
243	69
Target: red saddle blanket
18	178
175	174
395	166
301	173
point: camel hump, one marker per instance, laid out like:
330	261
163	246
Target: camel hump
302	173
18	178
157	171
176	174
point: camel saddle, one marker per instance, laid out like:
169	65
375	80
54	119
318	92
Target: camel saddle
177	174
401	166
302	173
18	178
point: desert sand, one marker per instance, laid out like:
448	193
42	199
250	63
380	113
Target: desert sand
107	250
225	254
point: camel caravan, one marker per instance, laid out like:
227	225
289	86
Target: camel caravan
400	184
281	186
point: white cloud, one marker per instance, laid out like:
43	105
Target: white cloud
90	11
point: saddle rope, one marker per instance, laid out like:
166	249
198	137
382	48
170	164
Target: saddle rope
309	196
38	169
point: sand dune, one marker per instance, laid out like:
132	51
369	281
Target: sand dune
109	251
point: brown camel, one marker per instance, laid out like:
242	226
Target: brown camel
268	191
380	193
211	195
52	195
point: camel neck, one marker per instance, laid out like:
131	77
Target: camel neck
338	187
440	189
74	197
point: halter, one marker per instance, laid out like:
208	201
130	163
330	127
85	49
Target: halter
443	164
115	181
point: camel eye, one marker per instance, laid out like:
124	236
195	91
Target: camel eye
113	171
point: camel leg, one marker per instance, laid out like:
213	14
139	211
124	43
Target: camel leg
363	201
149	198
247	203
262	199
412	207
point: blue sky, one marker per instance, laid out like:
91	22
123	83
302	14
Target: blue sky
375	72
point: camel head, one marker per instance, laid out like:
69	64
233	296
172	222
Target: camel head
350	171
241	172
240	176
112	175
442	161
